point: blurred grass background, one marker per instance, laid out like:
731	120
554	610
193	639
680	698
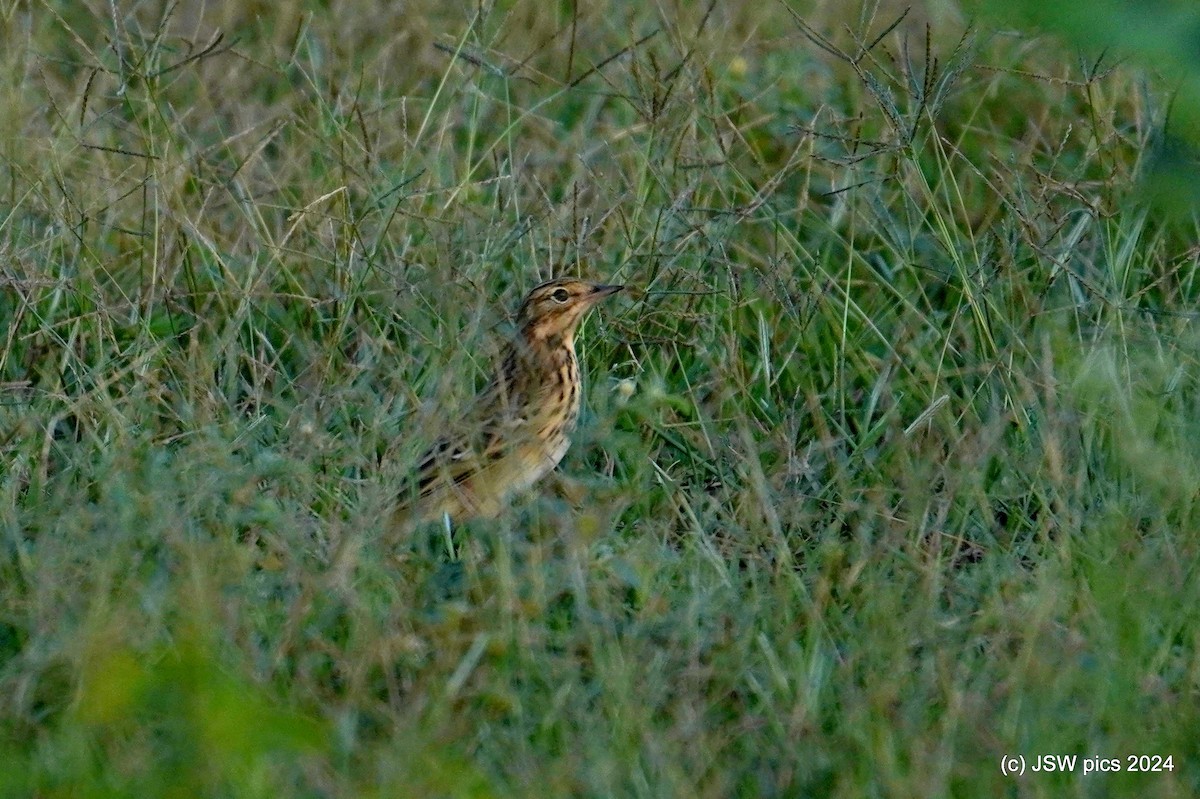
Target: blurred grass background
907	479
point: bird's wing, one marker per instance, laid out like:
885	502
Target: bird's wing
485	433
488	430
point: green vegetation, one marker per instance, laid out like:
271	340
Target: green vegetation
908	480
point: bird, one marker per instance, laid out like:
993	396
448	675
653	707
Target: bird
518	428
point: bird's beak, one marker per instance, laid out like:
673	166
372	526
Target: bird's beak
600	292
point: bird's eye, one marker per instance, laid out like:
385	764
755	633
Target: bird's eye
561	295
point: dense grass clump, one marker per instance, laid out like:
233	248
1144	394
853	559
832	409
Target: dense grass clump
889	468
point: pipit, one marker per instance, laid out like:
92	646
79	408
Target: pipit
519	427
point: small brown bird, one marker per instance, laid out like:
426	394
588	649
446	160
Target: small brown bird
518	428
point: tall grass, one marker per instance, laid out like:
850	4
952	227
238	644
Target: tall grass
888	469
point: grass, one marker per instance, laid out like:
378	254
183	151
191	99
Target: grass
906	481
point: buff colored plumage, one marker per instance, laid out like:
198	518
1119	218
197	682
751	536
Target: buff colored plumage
519	427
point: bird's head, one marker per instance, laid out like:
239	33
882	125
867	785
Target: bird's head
553	310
